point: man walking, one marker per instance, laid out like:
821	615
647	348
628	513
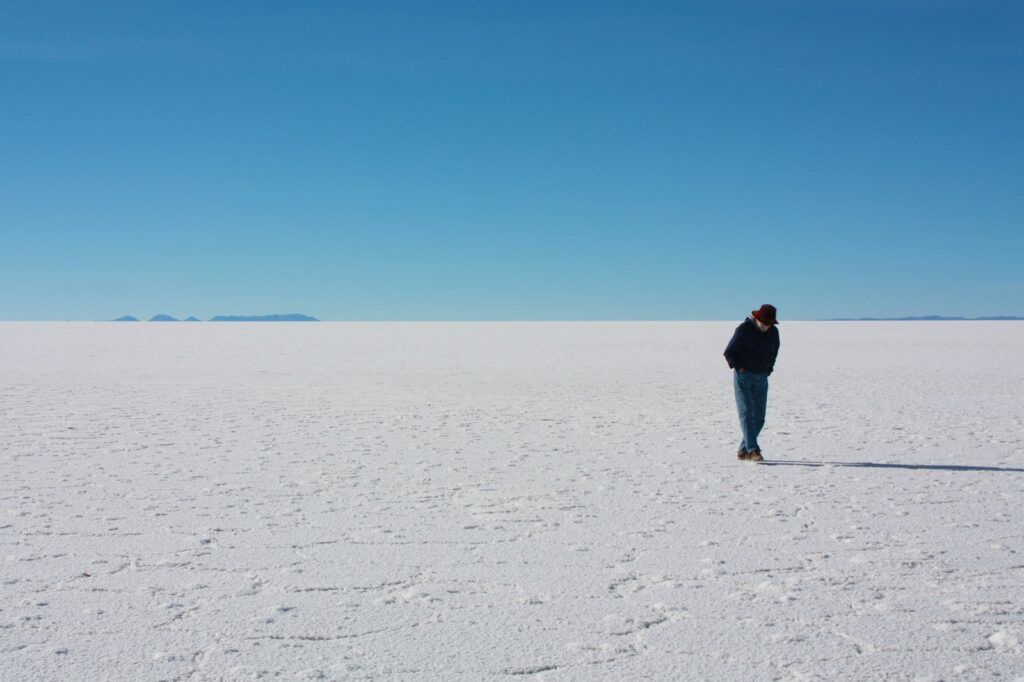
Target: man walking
751	354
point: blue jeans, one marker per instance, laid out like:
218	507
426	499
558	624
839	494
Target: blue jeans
751	401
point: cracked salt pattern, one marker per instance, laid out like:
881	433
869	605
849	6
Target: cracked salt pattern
414	501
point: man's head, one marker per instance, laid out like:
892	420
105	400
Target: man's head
765	315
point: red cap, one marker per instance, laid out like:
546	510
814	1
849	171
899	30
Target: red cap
765	314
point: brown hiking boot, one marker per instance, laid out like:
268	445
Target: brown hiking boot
743	454
755	456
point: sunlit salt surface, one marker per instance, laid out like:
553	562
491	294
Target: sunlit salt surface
470	501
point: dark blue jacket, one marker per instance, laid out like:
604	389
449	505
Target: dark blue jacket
753	350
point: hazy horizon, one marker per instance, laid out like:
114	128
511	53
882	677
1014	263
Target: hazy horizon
737	318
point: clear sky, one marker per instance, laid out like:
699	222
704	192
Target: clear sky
511	160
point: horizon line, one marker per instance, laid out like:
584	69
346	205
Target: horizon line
922	318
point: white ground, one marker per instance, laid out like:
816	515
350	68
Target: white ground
474	501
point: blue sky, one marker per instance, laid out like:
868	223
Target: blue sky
526	160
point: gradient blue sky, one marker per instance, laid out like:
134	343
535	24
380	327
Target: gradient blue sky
520	160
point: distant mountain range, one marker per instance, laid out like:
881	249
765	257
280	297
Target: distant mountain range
924	318
289	317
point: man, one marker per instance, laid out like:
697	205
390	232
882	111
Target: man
751	354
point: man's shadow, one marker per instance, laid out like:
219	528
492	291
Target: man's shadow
878	465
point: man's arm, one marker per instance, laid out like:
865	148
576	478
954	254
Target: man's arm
730	350
775	353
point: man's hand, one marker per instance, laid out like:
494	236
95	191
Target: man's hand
741	370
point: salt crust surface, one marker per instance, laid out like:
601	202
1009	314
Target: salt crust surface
474	501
